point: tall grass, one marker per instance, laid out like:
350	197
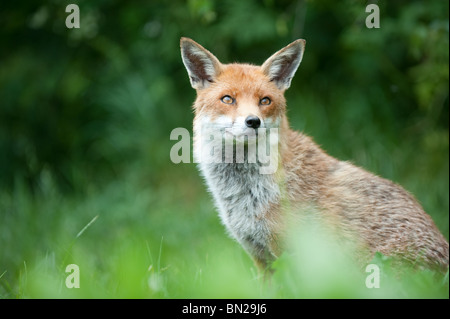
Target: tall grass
134	240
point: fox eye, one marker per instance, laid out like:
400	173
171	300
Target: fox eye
227	99
265	101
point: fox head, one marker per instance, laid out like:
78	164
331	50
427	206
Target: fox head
239	98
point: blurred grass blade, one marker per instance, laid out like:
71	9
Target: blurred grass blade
86	227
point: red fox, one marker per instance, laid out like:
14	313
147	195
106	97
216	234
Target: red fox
240	101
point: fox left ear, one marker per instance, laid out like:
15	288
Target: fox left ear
281	66
202	66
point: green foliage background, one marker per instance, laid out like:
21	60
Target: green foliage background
86	115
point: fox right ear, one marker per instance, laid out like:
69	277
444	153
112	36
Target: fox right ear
201	65
281	67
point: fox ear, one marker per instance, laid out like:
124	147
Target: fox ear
201	65
281	66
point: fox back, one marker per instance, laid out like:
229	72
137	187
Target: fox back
242	107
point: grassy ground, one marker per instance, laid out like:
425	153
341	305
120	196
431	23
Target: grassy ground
134	241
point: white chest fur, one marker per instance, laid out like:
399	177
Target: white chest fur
243	197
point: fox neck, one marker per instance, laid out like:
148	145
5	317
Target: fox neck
244	195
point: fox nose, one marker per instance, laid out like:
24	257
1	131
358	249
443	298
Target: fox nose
253	121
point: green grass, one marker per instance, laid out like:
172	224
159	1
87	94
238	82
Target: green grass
146	239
